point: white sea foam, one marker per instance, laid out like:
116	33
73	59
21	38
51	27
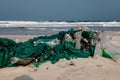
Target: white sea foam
55	24
36	28
59	29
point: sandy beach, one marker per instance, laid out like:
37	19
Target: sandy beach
59	39
80	69
76	69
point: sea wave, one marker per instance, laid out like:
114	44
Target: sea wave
55	24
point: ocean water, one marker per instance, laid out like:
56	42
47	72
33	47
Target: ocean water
47	28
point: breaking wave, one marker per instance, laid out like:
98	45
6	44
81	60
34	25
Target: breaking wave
55	24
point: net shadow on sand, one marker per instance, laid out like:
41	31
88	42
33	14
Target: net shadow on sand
23	77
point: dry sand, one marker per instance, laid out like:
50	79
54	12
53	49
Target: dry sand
76	69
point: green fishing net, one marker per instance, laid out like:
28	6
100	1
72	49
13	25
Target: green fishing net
43	48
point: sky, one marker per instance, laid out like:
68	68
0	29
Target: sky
60	10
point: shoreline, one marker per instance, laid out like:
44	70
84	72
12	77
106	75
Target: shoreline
23	38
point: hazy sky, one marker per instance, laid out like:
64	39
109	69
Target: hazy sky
83	10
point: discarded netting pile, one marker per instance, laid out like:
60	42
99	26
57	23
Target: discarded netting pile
7	50
41	49
47	48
